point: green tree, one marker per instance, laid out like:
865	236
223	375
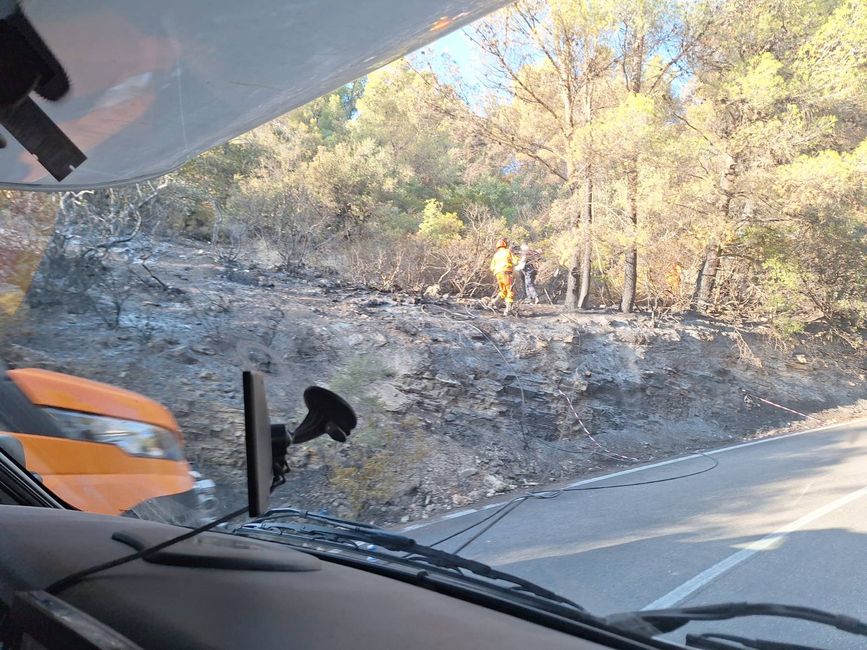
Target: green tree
549	60
437	225
748	114
651	39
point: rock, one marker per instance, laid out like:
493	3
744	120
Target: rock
354	340
409	488
406	328
495	483
390	397
445	379
800	358
207	374
433	291
460	499
184	355
467	472
633	337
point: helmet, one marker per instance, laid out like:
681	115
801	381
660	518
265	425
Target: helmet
503	243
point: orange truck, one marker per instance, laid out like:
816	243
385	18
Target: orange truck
100	448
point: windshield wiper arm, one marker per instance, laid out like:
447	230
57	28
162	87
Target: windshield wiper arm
283	513
711	641
653	622
343	530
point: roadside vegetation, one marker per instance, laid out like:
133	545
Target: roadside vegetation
659	155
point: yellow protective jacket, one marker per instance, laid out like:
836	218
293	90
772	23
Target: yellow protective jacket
503	261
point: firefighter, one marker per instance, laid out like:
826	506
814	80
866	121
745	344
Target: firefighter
502	265
528	272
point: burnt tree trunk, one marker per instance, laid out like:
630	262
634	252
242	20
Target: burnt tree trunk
707	277
583	254
578	287
630	270
572	287
572	281
633	67
706	281
586	239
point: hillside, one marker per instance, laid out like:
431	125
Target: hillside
456	403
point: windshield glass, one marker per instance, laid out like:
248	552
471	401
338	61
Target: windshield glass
591	275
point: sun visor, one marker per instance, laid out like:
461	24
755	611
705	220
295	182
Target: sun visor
152	84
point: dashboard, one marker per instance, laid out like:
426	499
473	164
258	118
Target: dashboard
241	592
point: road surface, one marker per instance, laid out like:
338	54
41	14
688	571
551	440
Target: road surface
777	520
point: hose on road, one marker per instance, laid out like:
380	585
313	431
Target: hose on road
510	506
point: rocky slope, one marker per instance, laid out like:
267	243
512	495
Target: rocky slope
456	403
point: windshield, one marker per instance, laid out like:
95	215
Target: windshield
591	275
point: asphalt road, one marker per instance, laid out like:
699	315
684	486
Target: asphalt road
777	520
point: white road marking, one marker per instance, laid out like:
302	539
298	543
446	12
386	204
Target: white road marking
684	591
459	513
642	468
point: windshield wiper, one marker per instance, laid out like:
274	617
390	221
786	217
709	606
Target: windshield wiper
711	641
343	530
654	622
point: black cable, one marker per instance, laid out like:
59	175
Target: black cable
502	512
64	583
553	494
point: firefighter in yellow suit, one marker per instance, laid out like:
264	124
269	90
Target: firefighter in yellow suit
502	265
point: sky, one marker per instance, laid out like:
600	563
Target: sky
462	51
469	59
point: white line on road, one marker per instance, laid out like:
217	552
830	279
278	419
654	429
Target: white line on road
710	452
460	513
641	468
684	591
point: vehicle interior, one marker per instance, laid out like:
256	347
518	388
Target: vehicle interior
240	66
97	94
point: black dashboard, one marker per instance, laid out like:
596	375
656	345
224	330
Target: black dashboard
280	598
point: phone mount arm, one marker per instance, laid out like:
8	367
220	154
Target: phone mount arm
327	412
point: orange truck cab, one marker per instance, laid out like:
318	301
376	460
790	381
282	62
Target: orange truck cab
100	448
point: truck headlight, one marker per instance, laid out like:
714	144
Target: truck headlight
135	438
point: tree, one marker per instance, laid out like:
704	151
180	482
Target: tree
398	113
748	113
651	39
439	226
548	60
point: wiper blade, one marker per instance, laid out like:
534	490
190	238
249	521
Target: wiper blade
653	622
343	530
710	641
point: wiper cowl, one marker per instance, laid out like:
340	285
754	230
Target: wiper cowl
341	530
660	621
711	641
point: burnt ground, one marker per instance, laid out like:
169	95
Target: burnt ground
456	403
